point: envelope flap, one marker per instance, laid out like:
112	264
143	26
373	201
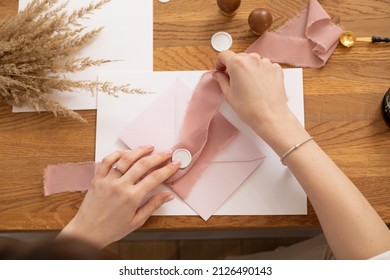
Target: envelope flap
241	150
158	124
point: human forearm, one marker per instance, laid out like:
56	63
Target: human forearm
280	131
351	225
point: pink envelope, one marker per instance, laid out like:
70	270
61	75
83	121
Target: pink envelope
160	125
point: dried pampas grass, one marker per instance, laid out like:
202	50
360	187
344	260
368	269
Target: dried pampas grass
36	49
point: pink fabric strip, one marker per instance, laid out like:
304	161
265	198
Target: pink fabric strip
308	40
70	177
196	127
220	133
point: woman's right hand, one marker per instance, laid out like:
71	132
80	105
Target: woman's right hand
254	87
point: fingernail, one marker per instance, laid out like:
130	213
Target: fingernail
176	163
169	198
168	152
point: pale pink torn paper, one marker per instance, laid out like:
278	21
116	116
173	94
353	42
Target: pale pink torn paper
307	40
224	157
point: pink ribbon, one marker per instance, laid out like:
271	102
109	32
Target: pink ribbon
308	40
200	121
68	177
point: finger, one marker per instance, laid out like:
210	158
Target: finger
223	60
145	165
266	61
277	67
223	81
107	162
128	159
255	55
154	203
155	178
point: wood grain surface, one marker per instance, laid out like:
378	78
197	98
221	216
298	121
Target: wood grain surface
342	111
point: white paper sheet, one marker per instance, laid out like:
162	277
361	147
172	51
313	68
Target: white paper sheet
127	36
270	190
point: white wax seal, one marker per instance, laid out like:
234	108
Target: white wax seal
221	41
183	156
163	1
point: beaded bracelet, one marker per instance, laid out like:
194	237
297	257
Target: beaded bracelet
293	148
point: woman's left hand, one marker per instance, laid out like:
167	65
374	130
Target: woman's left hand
119	200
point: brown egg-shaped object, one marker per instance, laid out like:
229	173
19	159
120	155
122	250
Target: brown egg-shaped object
260	20
229	7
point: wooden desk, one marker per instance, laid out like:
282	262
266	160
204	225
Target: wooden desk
342	108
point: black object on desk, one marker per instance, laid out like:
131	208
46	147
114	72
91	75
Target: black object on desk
386	107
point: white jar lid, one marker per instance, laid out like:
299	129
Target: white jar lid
221	41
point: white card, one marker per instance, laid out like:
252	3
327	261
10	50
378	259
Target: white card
127	36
